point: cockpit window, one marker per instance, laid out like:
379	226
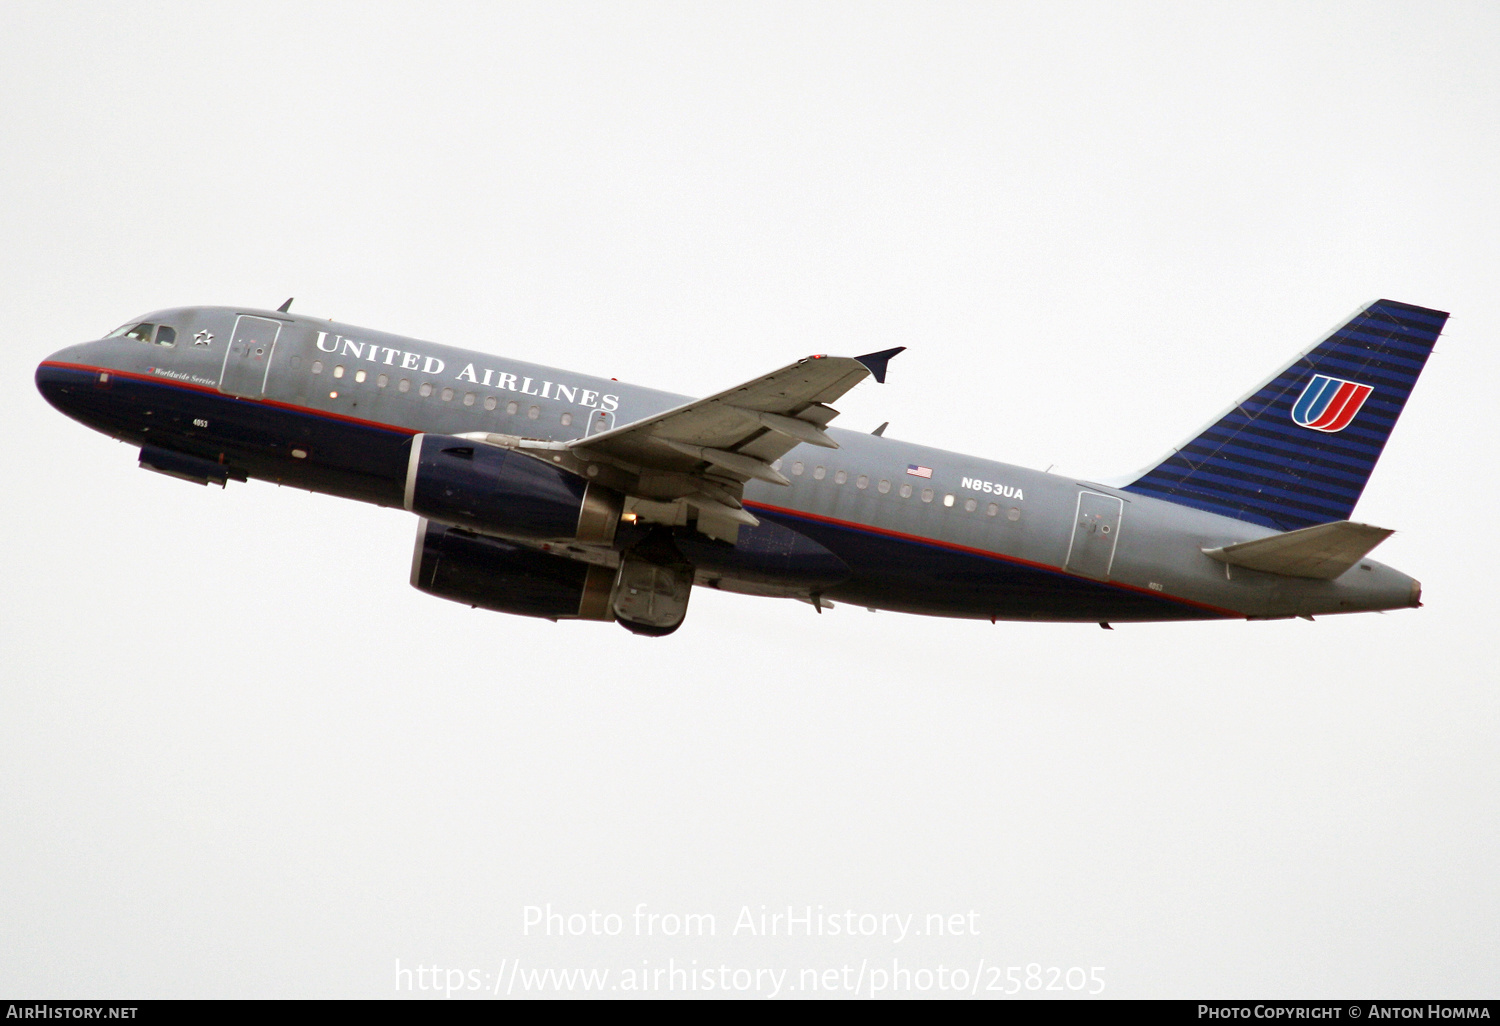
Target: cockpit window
139	332
166	336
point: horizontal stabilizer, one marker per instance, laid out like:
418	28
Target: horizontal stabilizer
1323	552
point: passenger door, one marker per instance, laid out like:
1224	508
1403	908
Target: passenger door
1096	529
247	360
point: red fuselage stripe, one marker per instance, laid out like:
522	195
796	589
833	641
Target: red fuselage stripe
207	390
847	524
985	553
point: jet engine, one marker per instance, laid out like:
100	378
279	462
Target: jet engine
508	577
501	491
647	594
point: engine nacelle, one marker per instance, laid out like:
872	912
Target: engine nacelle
501	491
507	577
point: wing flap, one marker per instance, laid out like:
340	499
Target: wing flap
1322	552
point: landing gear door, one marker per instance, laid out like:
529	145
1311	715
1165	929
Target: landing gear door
649	598
1096	530
247	360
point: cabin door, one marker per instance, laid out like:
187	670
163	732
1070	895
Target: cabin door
1096	529
248	359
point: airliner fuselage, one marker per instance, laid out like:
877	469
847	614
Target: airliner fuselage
214	394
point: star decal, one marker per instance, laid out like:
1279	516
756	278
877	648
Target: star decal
203	338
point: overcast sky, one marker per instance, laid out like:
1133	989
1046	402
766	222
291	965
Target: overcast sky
241	756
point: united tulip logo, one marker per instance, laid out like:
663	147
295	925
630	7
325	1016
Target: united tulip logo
1329	404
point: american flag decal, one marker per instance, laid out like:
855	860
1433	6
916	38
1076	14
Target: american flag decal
916	471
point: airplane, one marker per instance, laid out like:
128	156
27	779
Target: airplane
546	493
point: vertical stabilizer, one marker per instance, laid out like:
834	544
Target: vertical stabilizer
1298	450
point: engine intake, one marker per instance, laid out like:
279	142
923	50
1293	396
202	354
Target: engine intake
501	491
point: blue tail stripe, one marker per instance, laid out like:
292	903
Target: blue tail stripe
1277	514
1232	486
1409	312
1382	378
1213	478
1253	431
1411	362
1369	375
1272	453
1272	464
1267	465
1259	514
1260	463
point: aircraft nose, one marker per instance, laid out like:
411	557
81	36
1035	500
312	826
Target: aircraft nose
63	372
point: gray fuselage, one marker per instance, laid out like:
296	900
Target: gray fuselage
332	407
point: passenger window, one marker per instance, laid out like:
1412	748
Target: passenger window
425	390
338	371
511	407
948	499
567	420
405	386
382	381
490	402
970	505
533	413
359	377
863	481
166	336
447	395
840	477
469	398
797	468
991	509
883	487
906	491
926	494
317	367
1013	515
818	474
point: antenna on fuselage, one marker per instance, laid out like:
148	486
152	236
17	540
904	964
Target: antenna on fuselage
284	307
881	429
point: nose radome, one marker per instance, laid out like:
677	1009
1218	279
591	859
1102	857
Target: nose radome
60	370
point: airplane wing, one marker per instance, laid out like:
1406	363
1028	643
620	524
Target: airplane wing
700	455
1322	552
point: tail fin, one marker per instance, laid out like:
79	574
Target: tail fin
1298	450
